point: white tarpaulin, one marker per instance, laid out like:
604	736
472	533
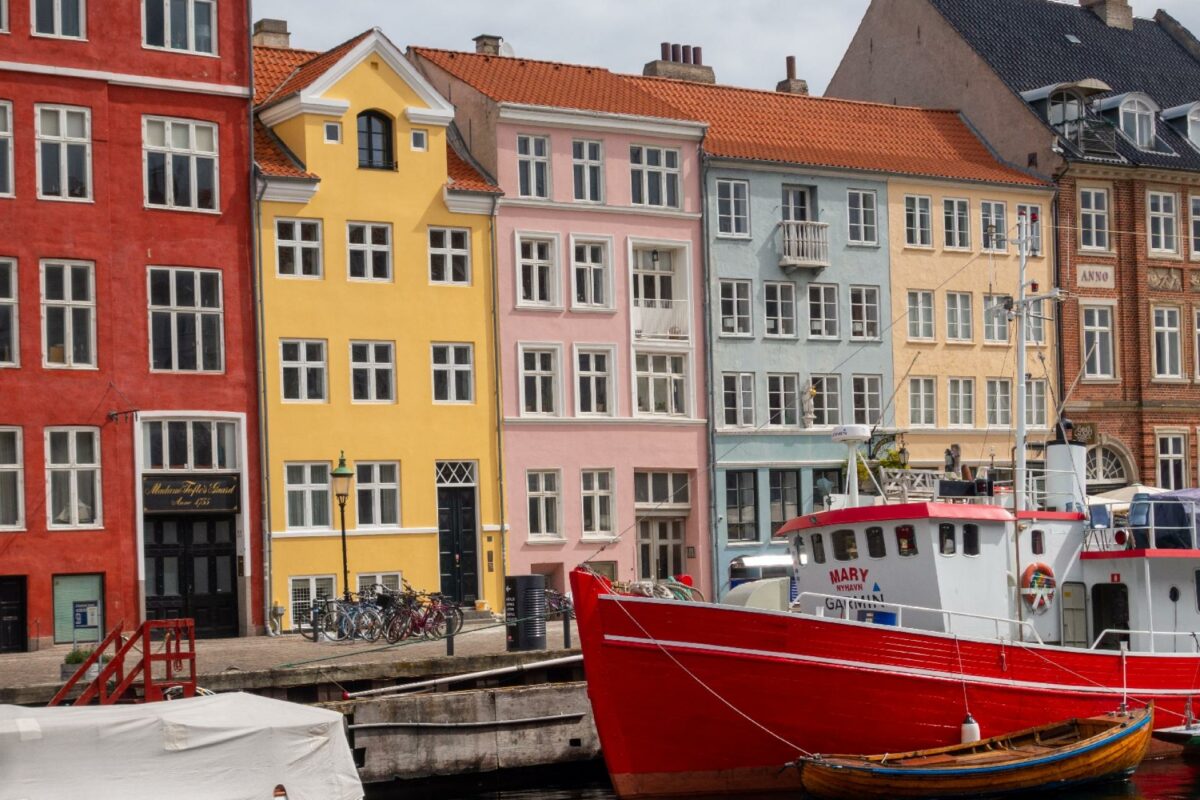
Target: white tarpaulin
224	747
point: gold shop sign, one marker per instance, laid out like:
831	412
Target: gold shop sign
192	494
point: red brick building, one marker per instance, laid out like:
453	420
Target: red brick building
128	426
1108	107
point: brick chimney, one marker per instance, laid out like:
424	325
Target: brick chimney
791	84
682	62
1115	13
271	33
1182	36
488	44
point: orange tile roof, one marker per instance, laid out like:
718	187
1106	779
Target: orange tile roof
280	72
464	177
273	158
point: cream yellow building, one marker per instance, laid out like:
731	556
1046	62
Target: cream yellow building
954	358
376	328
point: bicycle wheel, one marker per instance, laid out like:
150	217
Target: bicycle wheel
454	618
336	625
311	630
435	624
368	625
399	626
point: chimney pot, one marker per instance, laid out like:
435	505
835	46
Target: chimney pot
488	44
687	54
271	33
791	68
698	56
1114	13
677	53
665	49
681	62
791	84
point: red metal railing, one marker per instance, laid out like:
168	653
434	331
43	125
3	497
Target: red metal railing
177	657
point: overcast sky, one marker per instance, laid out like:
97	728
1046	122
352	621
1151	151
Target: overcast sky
745	41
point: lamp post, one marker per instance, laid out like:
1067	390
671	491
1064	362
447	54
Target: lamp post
342	476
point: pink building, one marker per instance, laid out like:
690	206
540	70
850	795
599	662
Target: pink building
600	313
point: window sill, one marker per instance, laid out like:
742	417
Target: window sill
208	372
452	284
58	36
599	538
1164	255
13	529
927	248
545	541
454	402
920	340
173	51
53	199
289	401
352	279
71	367
742	544
212	212
735	237
287	277
786	337
824	338
997	344
538	307
73	528
961	342
1092	252
967	249
378	167
864	245
867	339
593	309
735	335
1171	380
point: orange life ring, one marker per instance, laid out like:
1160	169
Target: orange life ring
1037	586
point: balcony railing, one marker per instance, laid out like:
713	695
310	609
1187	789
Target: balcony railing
1090	136
803	244
660	319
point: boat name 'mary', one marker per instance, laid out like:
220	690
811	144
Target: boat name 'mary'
848	579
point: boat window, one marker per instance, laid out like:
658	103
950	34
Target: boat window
801	553
818	548
906	540
970	539
845	545
947	539
876	545
1038	543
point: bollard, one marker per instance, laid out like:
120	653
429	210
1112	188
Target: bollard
450	645
566	615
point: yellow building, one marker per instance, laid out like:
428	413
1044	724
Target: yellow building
955	359
376	329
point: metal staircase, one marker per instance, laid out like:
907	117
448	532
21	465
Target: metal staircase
153	673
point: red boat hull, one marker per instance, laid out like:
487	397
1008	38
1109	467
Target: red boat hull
694	698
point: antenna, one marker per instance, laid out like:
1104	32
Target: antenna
853	436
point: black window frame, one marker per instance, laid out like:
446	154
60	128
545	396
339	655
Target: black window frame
735	489
947	533
876	543
1037	542
370	156
970	537
818	548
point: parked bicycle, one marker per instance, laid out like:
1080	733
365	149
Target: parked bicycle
559	605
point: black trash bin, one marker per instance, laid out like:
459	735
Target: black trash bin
525	612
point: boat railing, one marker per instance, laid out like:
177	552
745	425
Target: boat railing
1142	525
848	604
1119	632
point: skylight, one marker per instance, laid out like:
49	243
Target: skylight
1073	39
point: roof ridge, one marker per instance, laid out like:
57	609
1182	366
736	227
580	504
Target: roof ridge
418	48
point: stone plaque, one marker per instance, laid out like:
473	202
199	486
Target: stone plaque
1094	277
1085	432
1194	280
1165	279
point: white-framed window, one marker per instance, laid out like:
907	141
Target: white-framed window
181	163
298	248
920	314
418	140
1137	122
306	485
868	399
541	491
537	271
3	16
959	326
1195	203
1196	319
68	314
594	380
1098	358
189	445
860	217
1172	461
1035	323
1033	220
333	132
453	372
735	308
1168	361
186	320
12	479
592	275
10	344
741	505
587	168
864	312
783	400
66	19
994	219
450	256
795	204
189	26
779	308
1093	219
661	489
305	591
388	580
999	402
596	487
6	139
737	392
533	166
661	386
826	400
995	318
822	311
922	402
783	496
73	478
654	176
918	221
1035	403
372	372
369	254
733	207
304	366
957	223
1163	210
64	152
961	402
377	489
539	381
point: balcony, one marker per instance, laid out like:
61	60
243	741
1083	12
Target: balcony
661	319
803	244
1091	137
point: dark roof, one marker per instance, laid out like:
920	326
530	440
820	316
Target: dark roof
1025	42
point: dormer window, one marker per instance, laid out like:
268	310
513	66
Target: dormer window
1137	122
1066	109
1193	127
375	141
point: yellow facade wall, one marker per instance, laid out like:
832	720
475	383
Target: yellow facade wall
408	310
942	270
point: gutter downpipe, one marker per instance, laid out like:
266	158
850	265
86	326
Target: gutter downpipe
497	395
706	249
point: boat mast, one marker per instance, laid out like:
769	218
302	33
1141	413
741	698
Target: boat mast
1019	499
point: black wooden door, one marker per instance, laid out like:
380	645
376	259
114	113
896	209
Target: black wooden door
191	571
12	614
458	543
1110	611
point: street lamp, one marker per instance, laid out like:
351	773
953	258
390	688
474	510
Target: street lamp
342	476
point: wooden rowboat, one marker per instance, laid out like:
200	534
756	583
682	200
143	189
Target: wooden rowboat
1050	756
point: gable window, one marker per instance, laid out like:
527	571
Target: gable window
63	18
538	272
370	251
591	275
377	488
920	315
64	153
594	374
73	478
587	165
961	402
307	489
733	208
1098	342
995	226
741	505
450	256
298	247
1035	404
539	381
661	383
9	347
1137	122
822	311
304	369
918	221
185	25
12	479
6	140
1167	358
597	495
826	400
1033	223
1163	223
922	410
181	163
995	317
541	491
957	223
186	320
1093	219
958	317
779	308
783	400
418	140
999	402
737	390
868	400
375	148
735	308
188	445
68	314
860	216
1172	463
372	372
784	496
533	166
864	312
654	176
453	373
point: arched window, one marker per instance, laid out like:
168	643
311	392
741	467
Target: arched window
1137	122
375	141
1105	467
